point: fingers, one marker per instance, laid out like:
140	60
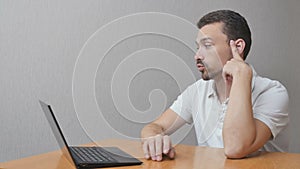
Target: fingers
225	72
146	150
234	50
151	147
171	153
155	147
158	148
168	150
167	144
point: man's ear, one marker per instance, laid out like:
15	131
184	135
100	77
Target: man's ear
240	45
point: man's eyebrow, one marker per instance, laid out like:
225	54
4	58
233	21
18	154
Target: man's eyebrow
206	39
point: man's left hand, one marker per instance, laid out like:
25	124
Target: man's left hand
236	67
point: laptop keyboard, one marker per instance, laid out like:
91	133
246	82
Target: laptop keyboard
93	154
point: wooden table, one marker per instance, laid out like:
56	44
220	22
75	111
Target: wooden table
187	157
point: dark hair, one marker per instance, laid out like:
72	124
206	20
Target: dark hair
235	26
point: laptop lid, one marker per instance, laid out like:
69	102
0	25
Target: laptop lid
57	132
123	159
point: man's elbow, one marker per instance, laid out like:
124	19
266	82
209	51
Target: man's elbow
235	152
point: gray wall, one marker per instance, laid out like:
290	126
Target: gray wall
41	40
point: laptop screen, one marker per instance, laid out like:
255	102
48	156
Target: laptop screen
57	132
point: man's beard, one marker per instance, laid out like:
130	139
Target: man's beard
211	75
208	75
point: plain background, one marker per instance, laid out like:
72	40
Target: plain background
40	42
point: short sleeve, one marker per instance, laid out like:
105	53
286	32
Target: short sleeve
271	108
183	104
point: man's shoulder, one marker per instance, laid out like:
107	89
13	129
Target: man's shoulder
267	83
267	86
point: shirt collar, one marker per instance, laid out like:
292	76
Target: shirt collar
212	88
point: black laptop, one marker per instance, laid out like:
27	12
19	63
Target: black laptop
87	157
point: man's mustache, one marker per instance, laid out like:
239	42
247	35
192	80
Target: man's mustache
199	62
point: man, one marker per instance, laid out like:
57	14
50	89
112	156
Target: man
231	106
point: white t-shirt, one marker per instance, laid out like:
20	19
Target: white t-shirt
199	104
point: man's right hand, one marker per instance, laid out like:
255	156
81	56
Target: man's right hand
155	136
157	146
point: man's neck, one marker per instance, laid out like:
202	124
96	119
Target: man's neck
222	89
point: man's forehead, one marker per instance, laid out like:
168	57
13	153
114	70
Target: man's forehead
210	32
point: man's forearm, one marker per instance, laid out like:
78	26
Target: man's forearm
239	126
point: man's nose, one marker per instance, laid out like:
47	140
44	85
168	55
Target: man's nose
198	55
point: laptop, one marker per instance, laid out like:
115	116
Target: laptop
87	157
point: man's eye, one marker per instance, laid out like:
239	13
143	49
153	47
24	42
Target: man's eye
207	45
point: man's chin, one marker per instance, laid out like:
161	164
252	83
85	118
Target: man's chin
205	76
